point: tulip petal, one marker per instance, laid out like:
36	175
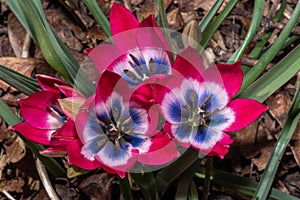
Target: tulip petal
36	135
189	64
108	83
150	35
48	83
162	151
104	55
76	158
232	76
204	139
222	146
121	19
37	111
246	111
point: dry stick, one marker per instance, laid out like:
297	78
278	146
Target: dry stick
45	180
26	46
8	195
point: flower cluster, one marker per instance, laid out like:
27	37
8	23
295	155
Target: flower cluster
145	106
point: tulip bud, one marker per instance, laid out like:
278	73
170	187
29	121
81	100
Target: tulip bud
192	34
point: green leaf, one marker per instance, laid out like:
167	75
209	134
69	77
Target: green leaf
255	23
30	14
99	16
168	174
185	180
291	123
241	184
19	81
259	47
210	15
254	73
215	25
125	188
267	84
11	118
147	183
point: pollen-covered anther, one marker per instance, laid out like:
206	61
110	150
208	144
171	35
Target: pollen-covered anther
192	96
130	74
151	65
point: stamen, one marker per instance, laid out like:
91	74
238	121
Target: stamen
130	74
101	142
187	107
212	113
207	99
127	121
115	113
100	123
136	61
151	65
117	143
192	96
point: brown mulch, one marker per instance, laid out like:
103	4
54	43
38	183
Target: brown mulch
75	25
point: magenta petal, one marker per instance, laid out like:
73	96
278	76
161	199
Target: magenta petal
48	83
111	82
88	51
77	159
150	35
162	151
232	76
33	134
64	135
54	152
36	110
103	56
222	147
246	111
189	64
121	19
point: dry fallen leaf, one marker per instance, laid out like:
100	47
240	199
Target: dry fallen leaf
266	151
279	105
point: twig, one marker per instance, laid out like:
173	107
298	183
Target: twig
26	46
45	180
8	195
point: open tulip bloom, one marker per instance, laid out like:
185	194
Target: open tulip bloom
146	107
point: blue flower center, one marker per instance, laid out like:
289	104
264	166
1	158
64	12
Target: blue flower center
197	115
115	129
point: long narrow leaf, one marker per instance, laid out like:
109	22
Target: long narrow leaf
210	15
266	181
31	15
255	22
241	184
215	25
99	16
267	84
256	52
19	81
272	51
11	118
168	174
